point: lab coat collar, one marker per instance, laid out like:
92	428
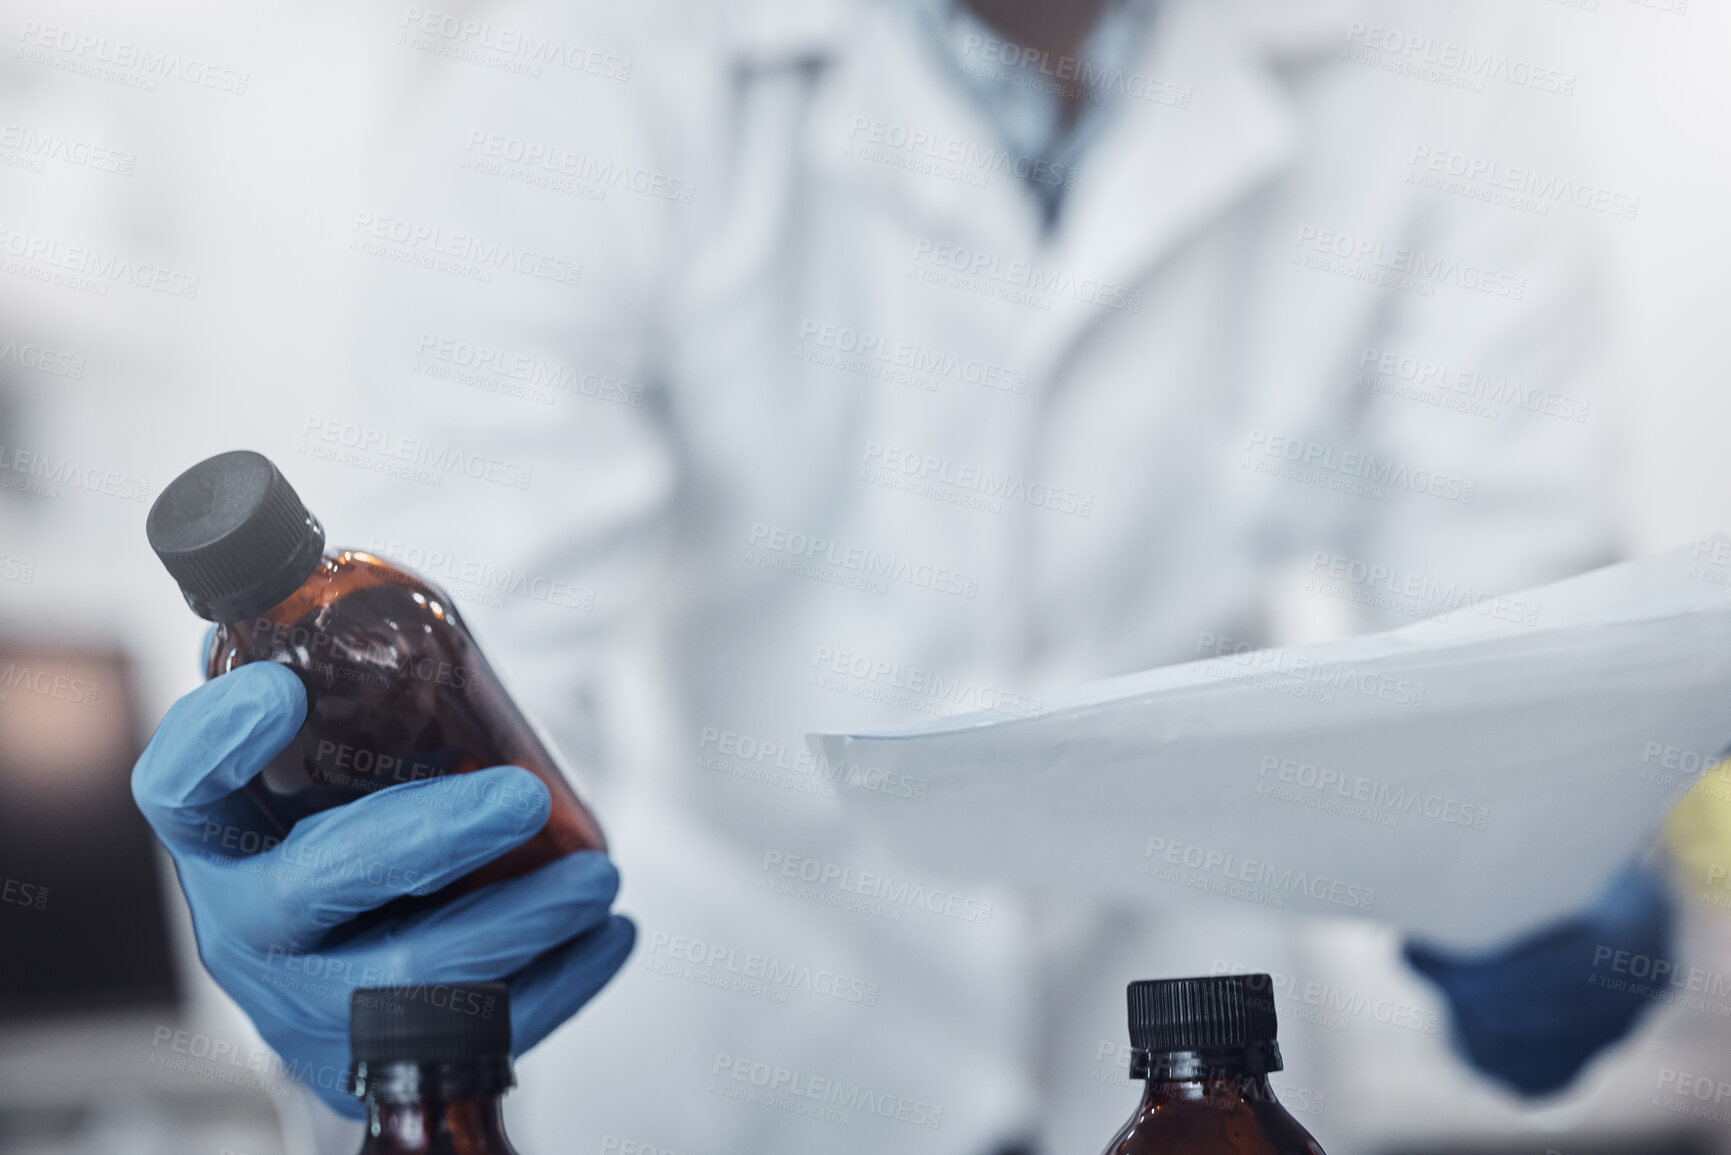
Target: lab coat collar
891	124
1158	172
1219	124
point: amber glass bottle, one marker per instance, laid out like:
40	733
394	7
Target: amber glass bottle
431	1063
397	689
1206	1047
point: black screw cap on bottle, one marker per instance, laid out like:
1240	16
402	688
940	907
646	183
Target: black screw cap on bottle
1221	1022
430	1024
234	534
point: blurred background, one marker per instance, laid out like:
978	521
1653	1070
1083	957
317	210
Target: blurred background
249	187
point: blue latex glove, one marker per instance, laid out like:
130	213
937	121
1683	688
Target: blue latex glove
1533	1013
270	917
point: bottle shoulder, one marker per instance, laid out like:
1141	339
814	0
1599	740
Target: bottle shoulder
355	608
1225	1122
353	571
346	578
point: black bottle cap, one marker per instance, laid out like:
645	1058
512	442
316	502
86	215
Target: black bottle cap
431	1023
1186	1026
233	533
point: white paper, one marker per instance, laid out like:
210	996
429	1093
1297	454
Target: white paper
1470	777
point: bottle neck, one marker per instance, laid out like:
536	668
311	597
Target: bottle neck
1219	1078
1258	1058
434	1108
1219	1091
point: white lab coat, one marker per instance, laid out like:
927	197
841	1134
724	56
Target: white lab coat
714	539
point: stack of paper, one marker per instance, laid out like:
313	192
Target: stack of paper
1471	777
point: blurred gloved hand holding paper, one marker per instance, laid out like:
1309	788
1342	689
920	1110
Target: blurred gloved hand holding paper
1466	777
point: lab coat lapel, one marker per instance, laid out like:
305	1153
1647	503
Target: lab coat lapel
1156	175
891	124
1159	173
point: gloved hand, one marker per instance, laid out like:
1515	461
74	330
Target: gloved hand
269	918
1533	1013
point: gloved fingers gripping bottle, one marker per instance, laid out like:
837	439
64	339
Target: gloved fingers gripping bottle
397	689
1206	1047
430	1063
